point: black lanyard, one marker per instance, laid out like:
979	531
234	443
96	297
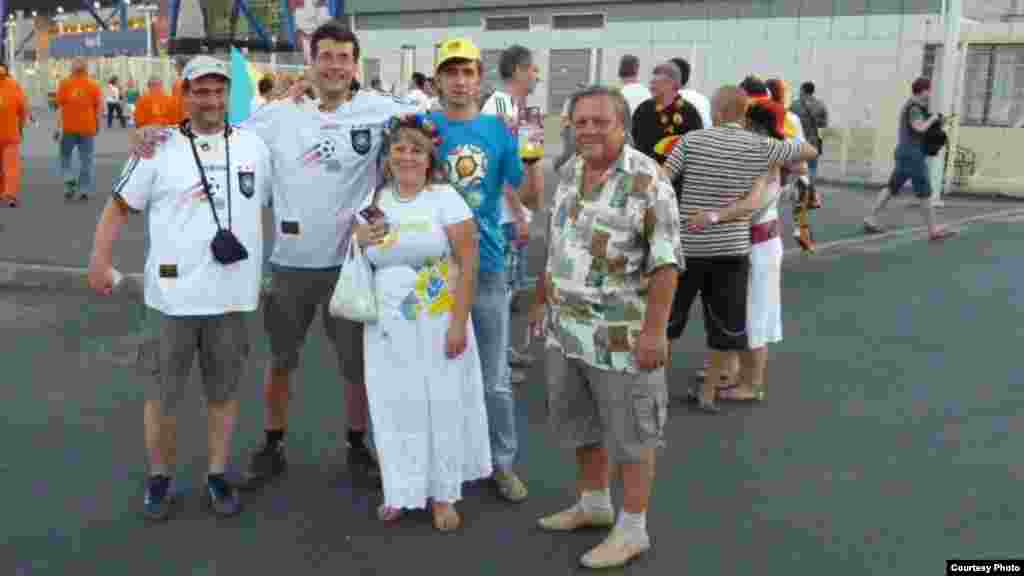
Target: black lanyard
186	129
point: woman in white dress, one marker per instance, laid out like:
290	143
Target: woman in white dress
423	375
764	292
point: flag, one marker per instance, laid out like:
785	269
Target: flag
243	88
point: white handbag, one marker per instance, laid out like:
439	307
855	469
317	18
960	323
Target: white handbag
353	296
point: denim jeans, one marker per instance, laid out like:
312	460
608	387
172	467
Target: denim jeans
86	160
515	260
490	324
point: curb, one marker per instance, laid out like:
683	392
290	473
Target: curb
60	278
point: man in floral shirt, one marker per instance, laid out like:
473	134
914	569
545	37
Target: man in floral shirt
613	259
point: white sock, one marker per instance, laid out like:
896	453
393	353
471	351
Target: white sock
634	526
598	501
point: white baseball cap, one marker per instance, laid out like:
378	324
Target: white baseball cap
204	66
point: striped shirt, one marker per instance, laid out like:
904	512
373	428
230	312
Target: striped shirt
718	167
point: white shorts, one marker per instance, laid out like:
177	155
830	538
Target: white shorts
764	294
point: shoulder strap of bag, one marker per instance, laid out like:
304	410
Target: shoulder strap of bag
186	129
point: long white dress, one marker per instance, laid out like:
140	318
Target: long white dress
428	412
764	292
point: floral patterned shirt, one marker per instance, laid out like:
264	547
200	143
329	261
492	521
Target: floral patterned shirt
603	248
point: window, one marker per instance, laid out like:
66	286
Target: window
994	86
507	23
931	52
568	21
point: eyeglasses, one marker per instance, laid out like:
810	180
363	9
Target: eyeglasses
599	124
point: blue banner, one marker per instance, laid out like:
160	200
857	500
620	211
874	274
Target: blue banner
100	43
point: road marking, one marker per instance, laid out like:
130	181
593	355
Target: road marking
8	269
1011	213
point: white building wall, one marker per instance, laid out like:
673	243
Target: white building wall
862	65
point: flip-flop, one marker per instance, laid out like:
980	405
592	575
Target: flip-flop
718	391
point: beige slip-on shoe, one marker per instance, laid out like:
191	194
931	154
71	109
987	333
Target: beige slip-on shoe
615	551
574	518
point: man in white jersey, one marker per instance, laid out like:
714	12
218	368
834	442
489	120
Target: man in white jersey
325	156
207	181
518	80
326	153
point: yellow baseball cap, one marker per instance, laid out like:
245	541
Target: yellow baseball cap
458	48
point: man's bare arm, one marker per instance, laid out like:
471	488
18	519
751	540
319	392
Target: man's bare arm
531	192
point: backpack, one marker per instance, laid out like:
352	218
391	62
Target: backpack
808	123
935	138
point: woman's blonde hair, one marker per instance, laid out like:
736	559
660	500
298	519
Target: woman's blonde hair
419	138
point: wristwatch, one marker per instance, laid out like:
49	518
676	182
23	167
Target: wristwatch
713	217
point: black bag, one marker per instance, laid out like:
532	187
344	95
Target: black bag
934	139
227	248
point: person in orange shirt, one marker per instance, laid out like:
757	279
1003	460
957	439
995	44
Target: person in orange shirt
177	94
80	100
13	116
155	107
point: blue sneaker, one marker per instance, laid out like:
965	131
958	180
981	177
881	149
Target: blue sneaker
158	501
221	497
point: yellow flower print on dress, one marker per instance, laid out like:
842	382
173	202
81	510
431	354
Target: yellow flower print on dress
432	294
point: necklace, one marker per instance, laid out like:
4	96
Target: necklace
402	199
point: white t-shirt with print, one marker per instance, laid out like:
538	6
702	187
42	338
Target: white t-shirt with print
416	227
501	104
325	165
181	276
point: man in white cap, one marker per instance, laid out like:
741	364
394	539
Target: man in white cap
202	193
325	153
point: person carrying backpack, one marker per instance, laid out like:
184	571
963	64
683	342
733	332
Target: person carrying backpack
813	117
911	153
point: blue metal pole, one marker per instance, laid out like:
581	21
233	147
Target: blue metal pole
175	11
95	15
289	22
254	22
123	10
3	22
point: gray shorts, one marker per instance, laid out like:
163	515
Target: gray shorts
626	413
289	308
221	342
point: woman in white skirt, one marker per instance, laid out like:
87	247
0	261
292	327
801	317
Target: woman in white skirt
764	293
423	377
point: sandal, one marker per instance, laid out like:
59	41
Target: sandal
729	397
388	514
446	518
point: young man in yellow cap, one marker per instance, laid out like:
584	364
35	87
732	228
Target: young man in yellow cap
481	156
